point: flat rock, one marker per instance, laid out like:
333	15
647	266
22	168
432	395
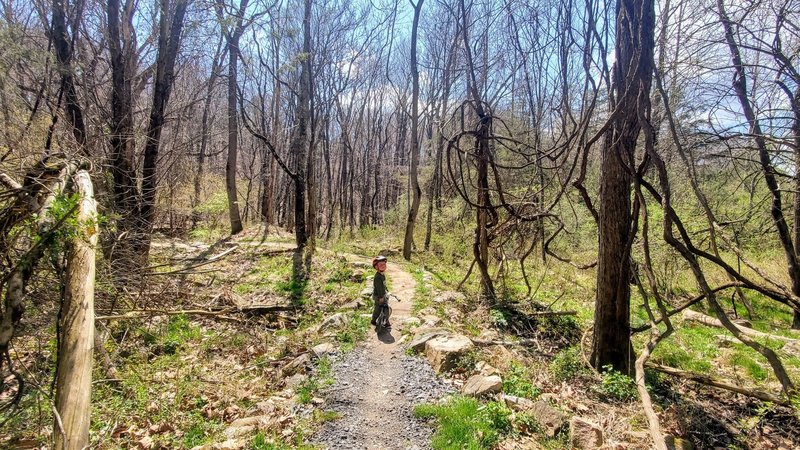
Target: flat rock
551	419
297	365
792	348
517	403
585	434
486	369
423	335
295	380
367	291
230	444
500	356
337	320
431	321
247	425
358	276
411	321
480	385
326	348
442	351
355	304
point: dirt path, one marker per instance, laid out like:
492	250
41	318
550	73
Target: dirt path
377	386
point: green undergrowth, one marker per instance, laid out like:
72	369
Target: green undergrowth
321	378
354	332
465	424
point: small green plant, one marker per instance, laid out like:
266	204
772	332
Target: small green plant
617	385
525	423
517	382
341	273
567	364
498	318
465	362
200	431
262	442
499	415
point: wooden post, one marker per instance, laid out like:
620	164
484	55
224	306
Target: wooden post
74	379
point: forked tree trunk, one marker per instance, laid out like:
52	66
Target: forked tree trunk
74	373
485	214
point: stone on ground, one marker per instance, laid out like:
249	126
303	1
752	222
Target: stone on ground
423	335
335	321
517	403
297	365
443	351
449	297
551	419
479	385
585	434
323	349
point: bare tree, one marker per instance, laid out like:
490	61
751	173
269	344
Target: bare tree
416	192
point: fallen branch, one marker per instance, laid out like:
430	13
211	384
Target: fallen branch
712	322
552	313
688	304
143	314
719	383
521	342
200	264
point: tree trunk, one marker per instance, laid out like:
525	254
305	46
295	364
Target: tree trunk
232	36
168	45
74	373
416	192
611	345
485	214
298	148
204	137
123	152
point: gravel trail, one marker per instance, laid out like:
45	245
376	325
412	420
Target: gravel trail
377	386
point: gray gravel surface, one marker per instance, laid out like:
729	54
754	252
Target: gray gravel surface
374	394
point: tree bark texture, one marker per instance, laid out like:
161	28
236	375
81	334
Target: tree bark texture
74	372
298	149
632	75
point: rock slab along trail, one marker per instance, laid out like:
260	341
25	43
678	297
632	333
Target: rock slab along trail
377	386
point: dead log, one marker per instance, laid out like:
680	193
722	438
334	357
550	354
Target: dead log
720	383
74	371
695	316
147	313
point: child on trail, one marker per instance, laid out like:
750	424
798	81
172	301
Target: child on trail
379	288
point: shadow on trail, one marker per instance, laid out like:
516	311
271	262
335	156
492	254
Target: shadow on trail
385	336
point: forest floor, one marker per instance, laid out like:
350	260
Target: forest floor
212	355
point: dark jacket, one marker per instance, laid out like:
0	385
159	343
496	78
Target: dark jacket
379	286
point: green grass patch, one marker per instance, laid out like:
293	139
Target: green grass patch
465	424
756	371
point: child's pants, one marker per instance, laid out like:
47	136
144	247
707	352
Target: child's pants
376	310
